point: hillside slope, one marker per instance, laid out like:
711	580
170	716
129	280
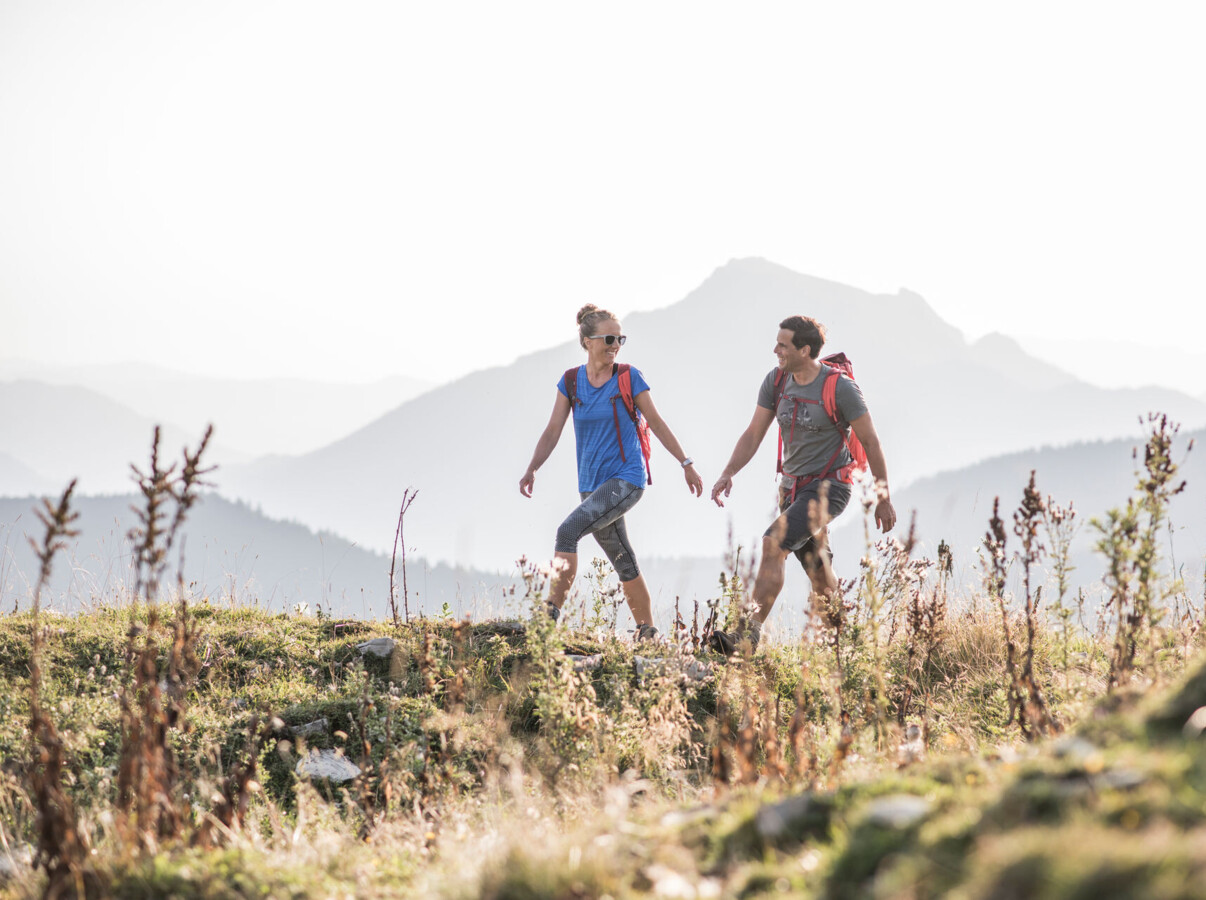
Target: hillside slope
234	554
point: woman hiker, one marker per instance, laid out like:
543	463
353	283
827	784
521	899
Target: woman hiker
612	468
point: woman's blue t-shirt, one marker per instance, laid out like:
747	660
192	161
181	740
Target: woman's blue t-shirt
599	456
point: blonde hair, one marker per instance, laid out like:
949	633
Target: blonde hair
589	317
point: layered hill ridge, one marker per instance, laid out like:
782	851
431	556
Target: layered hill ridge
60	432
255	416
234	555
939	403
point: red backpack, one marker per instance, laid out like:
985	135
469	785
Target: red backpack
839	365
625	385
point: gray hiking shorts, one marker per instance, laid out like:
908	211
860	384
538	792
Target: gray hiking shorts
799	538
602	514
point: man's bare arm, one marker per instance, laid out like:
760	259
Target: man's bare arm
864	428
743	452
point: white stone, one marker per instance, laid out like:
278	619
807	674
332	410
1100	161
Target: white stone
772	822
20	860
329	764
898	810
1196	723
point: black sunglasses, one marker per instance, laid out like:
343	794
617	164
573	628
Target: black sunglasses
610	339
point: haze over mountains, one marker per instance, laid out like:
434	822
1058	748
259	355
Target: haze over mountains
941	404
253	417
1124	363
60	432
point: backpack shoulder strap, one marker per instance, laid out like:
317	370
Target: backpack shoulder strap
624	382
571	386
780	384
829	395
780	387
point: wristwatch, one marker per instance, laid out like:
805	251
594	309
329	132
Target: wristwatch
687	462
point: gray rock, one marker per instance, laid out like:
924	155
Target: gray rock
677	818
382	646
689	668
1075	748
772	822
15	863
586	663
1196	723
898	810
646	665
318	726
1124	779
507	627
329	764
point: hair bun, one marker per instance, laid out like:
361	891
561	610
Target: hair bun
586	311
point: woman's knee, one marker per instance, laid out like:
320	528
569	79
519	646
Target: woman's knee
567	538
619	552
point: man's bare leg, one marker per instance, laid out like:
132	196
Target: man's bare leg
769	580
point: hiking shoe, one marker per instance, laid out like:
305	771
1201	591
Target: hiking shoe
647	633
723	642
728	643
553	612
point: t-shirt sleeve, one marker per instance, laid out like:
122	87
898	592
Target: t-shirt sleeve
850	402
561	386
639	385
766	393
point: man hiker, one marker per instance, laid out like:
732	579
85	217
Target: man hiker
817	406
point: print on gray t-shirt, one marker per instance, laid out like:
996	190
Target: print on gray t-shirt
815	438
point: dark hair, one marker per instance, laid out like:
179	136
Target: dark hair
805	330
588	317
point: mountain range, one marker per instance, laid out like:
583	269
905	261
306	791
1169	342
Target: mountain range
232	553
253	417
54	433
960	421
938	401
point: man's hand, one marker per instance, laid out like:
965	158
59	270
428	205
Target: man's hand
885	515
694	482
722	486
527	483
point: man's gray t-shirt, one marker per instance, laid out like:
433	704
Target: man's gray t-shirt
813	439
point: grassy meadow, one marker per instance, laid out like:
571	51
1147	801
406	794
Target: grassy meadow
914	742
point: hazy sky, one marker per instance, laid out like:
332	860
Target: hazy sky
348	190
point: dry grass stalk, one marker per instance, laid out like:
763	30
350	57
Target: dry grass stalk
408	497
62	847
150	809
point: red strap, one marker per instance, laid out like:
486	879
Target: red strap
571	386
619	440
625	384
780	387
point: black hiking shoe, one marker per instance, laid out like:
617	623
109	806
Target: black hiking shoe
728	643
553	612
647	633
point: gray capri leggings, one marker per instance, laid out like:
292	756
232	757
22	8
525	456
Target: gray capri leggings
602	514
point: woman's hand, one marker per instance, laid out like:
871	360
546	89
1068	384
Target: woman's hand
694	482
548	440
